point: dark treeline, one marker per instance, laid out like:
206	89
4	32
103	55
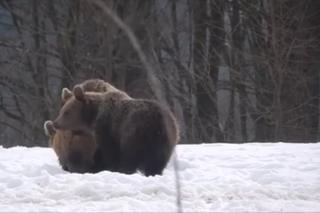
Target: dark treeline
232	71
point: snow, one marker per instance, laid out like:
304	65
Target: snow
214	177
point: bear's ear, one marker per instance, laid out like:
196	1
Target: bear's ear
66	94
78	93
48	128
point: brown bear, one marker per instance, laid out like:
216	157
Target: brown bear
75	149
131	134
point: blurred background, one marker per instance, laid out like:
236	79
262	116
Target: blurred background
231	70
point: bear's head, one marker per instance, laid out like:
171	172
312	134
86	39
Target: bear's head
79	110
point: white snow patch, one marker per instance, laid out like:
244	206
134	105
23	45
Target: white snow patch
214	178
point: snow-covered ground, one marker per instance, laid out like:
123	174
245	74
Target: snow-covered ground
216	178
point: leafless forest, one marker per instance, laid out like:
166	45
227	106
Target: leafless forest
231	70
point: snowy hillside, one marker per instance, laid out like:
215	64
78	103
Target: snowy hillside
218	177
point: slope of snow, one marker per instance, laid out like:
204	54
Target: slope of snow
216	178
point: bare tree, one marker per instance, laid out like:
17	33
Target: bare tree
232	71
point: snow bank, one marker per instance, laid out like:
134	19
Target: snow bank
216	177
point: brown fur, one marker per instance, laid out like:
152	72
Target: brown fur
131	134
91	85
75	149
97	85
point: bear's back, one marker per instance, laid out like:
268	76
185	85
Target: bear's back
97	85
134	115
